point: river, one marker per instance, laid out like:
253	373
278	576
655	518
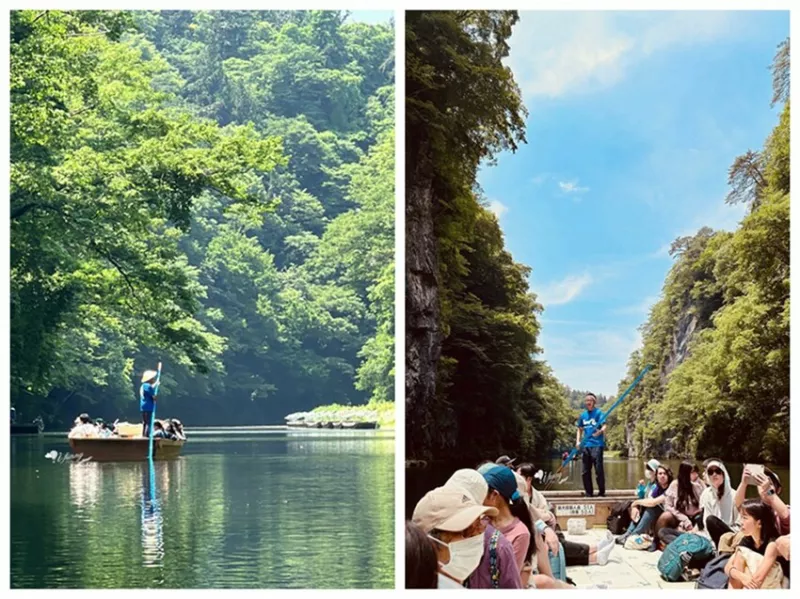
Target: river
241	508
620	473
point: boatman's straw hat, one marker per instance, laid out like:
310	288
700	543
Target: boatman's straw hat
149	374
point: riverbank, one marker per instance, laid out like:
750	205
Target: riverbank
383	410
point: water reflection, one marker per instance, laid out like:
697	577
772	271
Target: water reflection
85	484
152	520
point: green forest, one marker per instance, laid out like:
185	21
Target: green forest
474	385
719	334
214	190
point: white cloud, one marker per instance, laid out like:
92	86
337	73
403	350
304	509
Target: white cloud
564	291
572	187
555	53
594	360
498	208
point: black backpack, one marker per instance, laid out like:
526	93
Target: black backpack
713	575
620	518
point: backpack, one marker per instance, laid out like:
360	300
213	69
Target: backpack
713	575
493	569
619	519
688	550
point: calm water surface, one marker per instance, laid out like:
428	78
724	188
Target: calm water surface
243	508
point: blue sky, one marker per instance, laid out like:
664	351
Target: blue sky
634	120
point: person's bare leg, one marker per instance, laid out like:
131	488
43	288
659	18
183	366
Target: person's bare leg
545	582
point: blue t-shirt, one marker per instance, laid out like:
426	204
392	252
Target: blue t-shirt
147	394
588	421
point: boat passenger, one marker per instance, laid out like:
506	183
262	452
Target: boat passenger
498	567
683	512
651	507
769	489
718	502
696	477
760	565
421	562
452	520
554	552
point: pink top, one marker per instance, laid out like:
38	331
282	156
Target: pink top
688	511
520	538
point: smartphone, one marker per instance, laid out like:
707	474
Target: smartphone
754	470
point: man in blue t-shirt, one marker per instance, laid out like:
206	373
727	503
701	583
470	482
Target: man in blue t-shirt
147	399
588	423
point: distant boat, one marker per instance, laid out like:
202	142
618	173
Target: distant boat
359	425
125	449
31	428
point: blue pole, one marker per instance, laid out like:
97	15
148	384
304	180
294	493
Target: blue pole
153	413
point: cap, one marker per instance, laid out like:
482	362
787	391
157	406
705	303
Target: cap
502	479
448	508
652	464
470	481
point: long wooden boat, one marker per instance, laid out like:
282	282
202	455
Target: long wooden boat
125	449
25	429
595	510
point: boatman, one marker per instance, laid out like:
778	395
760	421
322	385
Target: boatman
147	399
593	446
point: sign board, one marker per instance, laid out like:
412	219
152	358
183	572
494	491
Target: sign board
575	509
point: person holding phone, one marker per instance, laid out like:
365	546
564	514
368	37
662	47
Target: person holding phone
769	489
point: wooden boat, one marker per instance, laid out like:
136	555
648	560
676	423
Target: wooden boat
359	425
125	449
25	429
28	428
595	510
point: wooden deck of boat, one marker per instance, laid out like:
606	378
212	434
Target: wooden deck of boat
626	569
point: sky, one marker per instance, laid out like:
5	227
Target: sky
371	16
634	119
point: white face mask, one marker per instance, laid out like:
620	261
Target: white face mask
465	555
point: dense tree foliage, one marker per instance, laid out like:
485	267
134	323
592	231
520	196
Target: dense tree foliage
720	333
473	385
212	189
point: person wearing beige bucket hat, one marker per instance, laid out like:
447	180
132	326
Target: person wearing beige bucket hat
452	520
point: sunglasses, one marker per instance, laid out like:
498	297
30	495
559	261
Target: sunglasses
713	471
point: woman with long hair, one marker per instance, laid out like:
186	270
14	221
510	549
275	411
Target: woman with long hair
513	518
753	565
682	506
682	502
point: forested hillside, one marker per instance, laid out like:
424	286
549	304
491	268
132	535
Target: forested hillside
473	384
719	335
210	189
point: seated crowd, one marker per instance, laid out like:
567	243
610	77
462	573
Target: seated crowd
489	528
85	427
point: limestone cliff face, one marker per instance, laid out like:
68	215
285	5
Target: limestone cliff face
423	338
690	321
